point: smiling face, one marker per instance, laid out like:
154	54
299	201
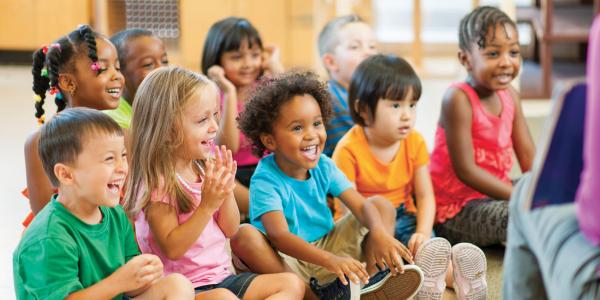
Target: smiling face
298	136
243	66
498	63
199	124
102	89
98	173
143	54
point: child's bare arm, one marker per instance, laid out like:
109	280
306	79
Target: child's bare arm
39	187
388	250
456	118
294	246
425	200
133	278
229	134
521	138
175	239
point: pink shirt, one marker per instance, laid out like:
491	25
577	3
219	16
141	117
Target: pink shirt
206	261
243	156
492	150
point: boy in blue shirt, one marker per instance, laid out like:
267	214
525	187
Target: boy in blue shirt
288	205
81	245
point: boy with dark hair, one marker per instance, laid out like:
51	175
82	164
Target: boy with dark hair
81	245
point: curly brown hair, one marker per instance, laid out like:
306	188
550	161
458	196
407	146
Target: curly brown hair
262	109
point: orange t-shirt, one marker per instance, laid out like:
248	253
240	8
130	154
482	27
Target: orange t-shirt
393	180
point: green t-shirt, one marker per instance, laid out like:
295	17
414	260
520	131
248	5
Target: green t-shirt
59	254
122	114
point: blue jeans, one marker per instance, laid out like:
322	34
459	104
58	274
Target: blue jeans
406	225
237	284
547	256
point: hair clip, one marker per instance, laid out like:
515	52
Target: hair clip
44	72
44	49
42	119
37	98
59	96
55	46
95	66
54	90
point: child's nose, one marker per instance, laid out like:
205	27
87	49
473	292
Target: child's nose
122	165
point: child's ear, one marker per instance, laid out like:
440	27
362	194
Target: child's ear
363	114
329	62
268	141
67	83
465	59
63	173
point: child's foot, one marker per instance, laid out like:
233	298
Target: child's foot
433	258
469	266
385	286
334	290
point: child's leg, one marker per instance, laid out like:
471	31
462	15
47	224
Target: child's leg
550	238
388	216
275	286
173	286
219	293
253	249
481	222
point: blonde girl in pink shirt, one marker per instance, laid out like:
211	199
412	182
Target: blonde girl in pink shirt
181	189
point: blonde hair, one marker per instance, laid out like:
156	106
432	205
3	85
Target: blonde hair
156	136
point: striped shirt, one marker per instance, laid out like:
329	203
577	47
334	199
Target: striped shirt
340	121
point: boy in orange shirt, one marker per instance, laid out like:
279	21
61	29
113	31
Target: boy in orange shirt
382	155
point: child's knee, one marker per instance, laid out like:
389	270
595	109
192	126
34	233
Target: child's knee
178	286
292	283
383	205
247	237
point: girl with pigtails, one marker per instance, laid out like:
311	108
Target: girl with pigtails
79	69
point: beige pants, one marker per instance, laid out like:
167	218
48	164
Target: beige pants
345	239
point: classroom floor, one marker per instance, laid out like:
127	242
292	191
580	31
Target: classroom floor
17	121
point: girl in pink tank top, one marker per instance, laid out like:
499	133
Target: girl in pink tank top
480	125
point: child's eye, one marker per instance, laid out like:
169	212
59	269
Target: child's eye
515	53
109	159
396	105
492	54
165	62
413	105
202	120
297	128
317	123
124	155
149	66
102	70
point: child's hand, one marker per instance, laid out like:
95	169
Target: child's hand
217	74
224	158
343	266
415	241
218	182
387	251
272	60
139	272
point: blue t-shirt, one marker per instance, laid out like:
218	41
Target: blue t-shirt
303	202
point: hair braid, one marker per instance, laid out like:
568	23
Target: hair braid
89	38
473	27
40	83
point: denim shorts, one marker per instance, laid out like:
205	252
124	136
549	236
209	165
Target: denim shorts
406	225
237	284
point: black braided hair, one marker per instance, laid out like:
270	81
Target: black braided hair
474	26
57	58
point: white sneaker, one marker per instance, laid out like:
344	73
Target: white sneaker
470	265
433	258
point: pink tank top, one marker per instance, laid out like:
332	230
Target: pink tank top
492	149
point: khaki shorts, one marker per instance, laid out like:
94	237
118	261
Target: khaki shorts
344	239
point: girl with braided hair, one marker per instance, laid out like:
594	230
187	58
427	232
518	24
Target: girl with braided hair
79	69
481	124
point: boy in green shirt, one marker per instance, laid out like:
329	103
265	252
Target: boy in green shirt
81	245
